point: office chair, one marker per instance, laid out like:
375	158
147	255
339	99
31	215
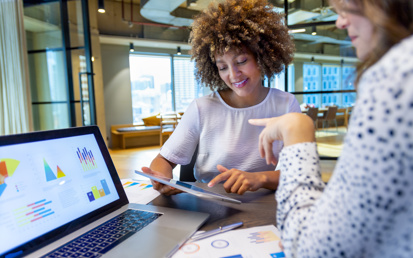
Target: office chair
329	115
313	113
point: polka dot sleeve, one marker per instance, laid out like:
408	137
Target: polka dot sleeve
300	186
366	210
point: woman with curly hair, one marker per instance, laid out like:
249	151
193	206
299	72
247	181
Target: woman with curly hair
234	44
366	210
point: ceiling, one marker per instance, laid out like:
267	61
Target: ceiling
165	23
167	20
300	11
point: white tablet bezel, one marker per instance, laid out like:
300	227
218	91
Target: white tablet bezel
191	189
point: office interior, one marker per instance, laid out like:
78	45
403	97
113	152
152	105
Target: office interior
82	63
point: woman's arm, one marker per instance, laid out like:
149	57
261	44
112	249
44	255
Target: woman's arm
161	167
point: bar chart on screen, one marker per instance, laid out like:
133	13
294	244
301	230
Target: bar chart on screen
97	193
33	212
86	159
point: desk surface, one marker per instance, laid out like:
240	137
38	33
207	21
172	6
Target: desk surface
257	208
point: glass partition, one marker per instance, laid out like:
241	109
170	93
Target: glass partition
43	26
57	53
309	11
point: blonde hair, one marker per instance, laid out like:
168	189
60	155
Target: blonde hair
392	21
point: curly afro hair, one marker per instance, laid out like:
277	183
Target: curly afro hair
235	24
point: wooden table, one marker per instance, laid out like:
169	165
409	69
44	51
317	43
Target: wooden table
321	111
257	208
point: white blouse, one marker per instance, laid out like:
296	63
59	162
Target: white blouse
223	134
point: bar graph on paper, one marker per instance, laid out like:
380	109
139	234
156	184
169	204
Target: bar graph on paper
97	193
33	212
86	159
263	237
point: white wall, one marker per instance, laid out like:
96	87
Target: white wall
117	88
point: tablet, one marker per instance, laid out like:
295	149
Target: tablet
191	189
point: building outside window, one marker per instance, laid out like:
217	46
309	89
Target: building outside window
185	85
151	85
153	89
278	80
348	78
328	77
311	82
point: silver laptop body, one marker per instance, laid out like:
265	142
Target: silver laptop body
56	186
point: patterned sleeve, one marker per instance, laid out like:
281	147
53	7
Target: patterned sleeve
367	208
300	186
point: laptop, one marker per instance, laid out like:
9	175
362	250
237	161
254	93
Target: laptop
60	196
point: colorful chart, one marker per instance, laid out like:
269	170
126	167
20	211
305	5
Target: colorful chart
97	193
50	176
263	237
86	158
7	169
220	243
141	185
32	212
190	248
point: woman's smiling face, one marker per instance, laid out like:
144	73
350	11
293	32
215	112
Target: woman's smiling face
239	70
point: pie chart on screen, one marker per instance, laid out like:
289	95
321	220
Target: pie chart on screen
7	169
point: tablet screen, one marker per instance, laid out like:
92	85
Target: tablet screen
192	189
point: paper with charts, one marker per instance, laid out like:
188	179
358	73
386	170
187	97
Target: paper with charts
256	242
139	191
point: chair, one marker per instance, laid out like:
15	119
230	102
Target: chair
329	115
347	116
313	113
187	171
167	123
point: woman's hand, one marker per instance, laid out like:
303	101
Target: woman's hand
163	189
238	181
290	128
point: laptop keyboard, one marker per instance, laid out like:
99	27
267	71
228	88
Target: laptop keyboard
101	239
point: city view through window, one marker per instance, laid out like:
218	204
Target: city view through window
166	83
155	89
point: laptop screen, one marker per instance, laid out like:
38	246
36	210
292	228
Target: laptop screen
45	184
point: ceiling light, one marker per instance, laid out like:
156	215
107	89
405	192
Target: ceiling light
101	6
191	3
314	31
296	31
178	51
131	47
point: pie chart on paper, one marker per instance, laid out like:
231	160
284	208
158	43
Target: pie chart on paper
7	169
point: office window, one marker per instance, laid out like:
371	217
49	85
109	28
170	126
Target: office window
331	77
185	85
349	73
328	77
311	78
153	89
312	82
278	80
151	85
